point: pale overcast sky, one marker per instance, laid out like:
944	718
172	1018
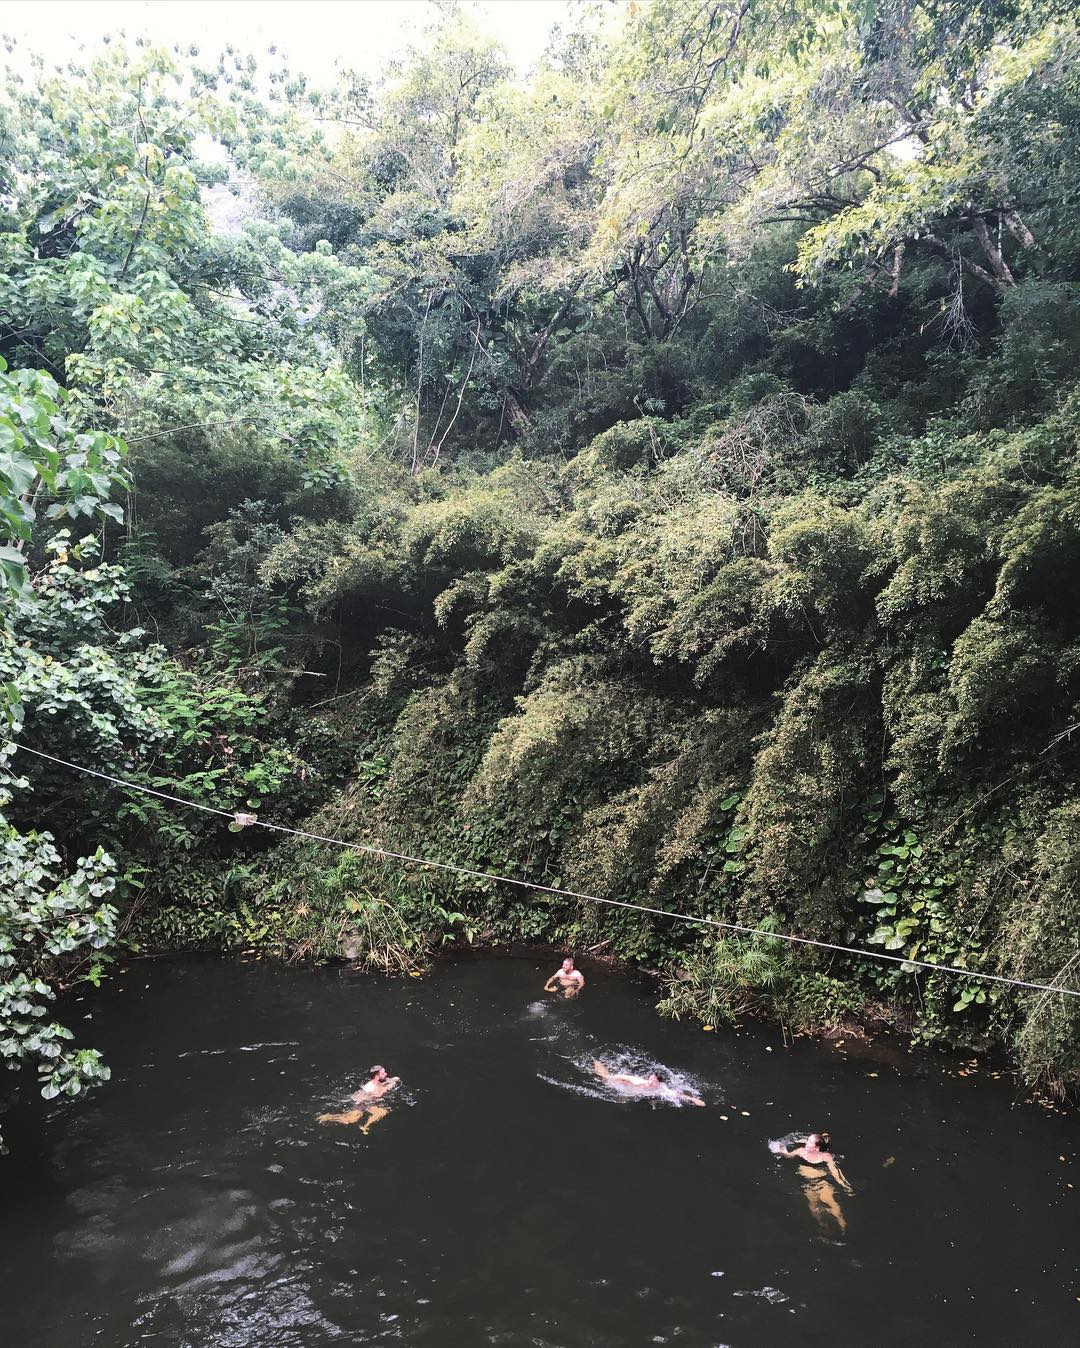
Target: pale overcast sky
315	34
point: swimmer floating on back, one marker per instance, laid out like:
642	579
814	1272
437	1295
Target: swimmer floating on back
818	1171
645	1085
365	1099
566	978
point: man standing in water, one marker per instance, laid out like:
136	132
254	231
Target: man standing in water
567	978
372	1090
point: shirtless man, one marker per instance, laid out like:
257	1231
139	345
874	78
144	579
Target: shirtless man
627	1081
567	978
376	1086
364	1099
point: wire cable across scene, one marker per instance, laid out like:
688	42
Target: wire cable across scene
738	928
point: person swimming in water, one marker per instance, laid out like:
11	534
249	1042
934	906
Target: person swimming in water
566	978
646	1085
376	1086
365	1098
820	1175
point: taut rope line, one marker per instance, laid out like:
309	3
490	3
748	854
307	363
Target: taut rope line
738	928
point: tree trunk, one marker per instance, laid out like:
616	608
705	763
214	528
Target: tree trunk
1016	227
518	417
993	252
897	261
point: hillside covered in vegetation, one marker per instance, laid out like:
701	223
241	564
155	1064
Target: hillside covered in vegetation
656	477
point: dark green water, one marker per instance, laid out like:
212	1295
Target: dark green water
195	1200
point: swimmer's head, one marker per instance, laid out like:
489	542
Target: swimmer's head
568	965
377	1073
652	1080
820	1140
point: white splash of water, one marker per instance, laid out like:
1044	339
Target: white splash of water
770	1294
238	1048
781	1145
674	1089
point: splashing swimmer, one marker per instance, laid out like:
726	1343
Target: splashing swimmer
566	978
820	1175
627	1081
365	1100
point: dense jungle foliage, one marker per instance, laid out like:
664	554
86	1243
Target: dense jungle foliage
656	477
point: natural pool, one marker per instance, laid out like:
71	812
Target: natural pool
507	1198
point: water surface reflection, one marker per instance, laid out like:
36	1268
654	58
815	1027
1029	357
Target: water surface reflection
509	1197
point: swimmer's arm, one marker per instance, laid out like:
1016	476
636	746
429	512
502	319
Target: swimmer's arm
549	986
838	1175
579	979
